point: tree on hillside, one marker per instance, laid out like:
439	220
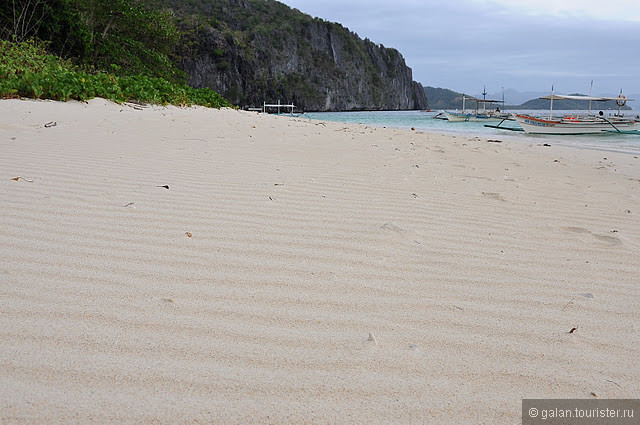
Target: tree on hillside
21	19
125	33
97	33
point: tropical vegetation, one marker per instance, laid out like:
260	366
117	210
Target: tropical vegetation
79	49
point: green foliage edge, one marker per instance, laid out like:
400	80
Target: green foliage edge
27	70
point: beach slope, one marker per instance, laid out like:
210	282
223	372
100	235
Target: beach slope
168	265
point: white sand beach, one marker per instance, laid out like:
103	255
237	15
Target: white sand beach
298	271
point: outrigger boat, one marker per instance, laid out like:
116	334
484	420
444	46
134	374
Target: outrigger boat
478	115
474	116
578	124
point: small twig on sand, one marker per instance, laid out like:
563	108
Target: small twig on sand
15	179
136	105
568	303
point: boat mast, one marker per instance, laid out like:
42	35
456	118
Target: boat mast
620	102
551	108
590	92
484	98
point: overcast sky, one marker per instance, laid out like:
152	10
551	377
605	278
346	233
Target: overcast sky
526	45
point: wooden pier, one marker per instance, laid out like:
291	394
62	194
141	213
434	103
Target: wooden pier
278	106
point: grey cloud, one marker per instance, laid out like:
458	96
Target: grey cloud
464	45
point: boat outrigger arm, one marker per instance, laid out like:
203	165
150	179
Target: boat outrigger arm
504	128
617	130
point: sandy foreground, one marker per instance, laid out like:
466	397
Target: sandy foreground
298	271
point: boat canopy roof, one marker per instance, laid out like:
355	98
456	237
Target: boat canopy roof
482	100
579	97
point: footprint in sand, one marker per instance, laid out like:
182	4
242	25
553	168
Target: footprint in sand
609	239
392	227
576	230
479	178
407	235
493	195
604	238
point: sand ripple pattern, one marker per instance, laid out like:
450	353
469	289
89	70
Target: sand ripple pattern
302	273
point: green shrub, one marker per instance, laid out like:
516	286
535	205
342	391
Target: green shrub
27	70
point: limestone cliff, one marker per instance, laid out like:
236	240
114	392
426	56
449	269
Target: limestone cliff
261	50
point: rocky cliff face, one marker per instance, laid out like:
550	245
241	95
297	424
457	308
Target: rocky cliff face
252	51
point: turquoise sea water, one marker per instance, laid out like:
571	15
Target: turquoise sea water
424	121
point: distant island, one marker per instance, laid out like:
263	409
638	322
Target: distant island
568	105
440	98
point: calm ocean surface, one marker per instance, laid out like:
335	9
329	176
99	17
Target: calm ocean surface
424	121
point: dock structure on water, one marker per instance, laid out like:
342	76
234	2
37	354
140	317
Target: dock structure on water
277	106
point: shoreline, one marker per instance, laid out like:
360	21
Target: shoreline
630	145
627	162
191	265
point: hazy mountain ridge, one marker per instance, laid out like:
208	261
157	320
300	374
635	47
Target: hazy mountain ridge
570	105
514	97
440	98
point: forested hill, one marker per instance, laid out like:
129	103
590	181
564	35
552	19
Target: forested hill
261	50
440	98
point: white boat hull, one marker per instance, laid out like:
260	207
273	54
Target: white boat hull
461	117
591	125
